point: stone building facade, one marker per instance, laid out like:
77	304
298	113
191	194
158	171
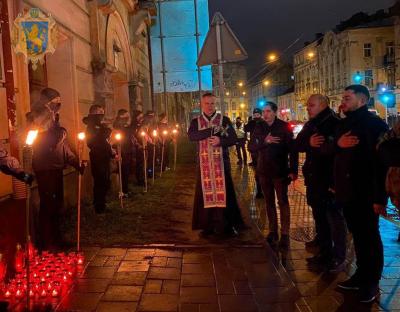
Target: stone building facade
101	57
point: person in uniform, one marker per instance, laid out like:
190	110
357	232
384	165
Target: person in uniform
215	206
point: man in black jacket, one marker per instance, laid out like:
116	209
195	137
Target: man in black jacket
252	146
274	139
101	153
51	155
360	188
316	140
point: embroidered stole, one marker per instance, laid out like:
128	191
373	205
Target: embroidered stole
212	166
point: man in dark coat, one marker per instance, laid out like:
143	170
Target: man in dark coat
316	140
122	124
277	166
98	140
360	188
215	206
252	146
51	155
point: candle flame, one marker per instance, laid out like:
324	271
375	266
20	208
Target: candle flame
81	136
31	137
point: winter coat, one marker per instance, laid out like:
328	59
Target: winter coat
358	175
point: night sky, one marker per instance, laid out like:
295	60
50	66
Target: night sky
272	25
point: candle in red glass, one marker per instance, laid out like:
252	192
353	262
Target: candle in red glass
31	249
55	293
80	258
7	294
19	259
19	293
3	268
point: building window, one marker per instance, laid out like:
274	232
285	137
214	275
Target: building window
367	50
369	80
390	48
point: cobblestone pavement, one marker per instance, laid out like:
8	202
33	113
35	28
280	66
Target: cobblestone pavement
222	275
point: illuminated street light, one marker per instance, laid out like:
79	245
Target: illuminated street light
266	83
242	105
311	55
243	93
240	84
227	93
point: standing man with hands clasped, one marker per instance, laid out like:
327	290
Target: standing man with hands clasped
277	168
216	210
360	188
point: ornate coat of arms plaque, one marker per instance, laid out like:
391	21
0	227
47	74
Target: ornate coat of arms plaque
34	35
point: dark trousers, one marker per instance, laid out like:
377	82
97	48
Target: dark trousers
363	224
241	150
254	157
51	195
101	182
280	187
330	225
126	170
167	146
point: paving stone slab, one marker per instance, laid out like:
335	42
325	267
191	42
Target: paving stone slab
99	272
170	287
80	302
91	285
168	253
153	286
276	295
122	293
198	295
159	303
194	257
164	273
190	280
242	288
141	255
159	261
117	306
112	252
174	263
237	303
197	268
209	307
134	266
129	278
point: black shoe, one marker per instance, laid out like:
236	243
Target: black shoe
369	293
313	243
284	241
259	195
318	259
272	238
350	284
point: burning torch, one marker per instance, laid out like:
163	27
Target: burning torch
175	134
154	153
143	134
165	133
30	139
81	138
118	138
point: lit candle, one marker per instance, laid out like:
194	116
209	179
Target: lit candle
54	293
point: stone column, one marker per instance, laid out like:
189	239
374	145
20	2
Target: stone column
103	86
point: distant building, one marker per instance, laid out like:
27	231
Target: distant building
287	108
235	90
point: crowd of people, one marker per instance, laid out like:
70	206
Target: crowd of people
51	154
352	166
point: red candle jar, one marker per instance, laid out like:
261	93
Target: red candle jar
19	262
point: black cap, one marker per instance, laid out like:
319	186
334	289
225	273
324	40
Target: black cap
257	111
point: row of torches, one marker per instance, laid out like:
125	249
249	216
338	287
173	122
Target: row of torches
50	275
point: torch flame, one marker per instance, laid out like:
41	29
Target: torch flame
118	136
81	136
165	132
143	133
31	137
174	131
154	133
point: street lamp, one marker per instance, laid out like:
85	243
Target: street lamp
240	84
243	93
266	83
311	55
